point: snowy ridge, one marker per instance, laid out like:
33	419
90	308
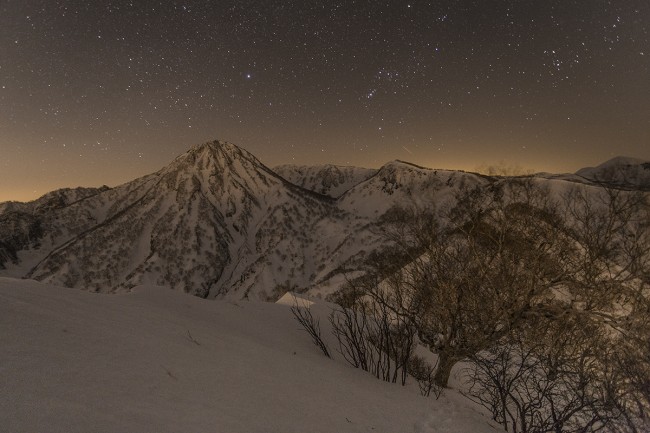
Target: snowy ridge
401	183
330	180
218	223
621	171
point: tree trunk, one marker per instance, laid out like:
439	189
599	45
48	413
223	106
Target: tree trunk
443	371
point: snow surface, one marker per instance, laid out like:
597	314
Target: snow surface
156	360
218	223
331	180
621	170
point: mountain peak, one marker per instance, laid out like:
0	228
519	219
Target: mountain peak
216	157
221	150
215	146
622	171
622	161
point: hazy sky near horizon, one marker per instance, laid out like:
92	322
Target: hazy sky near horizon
101	92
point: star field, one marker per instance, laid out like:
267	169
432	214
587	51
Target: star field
101	92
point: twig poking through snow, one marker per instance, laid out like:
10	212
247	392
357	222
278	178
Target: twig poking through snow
189	337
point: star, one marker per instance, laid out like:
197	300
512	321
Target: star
80	73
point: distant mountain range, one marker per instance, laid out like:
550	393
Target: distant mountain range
625	172
217	223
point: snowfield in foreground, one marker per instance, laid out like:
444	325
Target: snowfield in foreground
156	360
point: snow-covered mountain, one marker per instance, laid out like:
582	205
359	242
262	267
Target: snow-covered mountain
402	183
330	180
216	223
621	171
32	229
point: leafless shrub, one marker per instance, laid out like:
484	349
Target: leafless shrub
370	337
423	372
309	323
351	329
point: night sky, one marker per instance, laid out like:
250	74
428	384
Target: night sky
100	92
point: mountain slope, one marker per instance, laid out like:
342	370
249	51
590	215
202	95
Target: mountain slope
34	227
620	171
155	360
198	225
404	184
330	180
218	223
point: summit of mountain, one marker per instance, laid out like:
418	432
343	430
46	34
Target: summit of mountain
216	222
620	171
219	157
399	183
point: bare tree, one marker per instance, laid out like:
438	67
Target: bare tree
468	282
553	376
631	363
611	264
506	254
546	293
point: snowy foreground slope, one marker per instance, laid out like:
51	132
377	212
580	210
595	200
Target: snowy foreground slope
156	360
